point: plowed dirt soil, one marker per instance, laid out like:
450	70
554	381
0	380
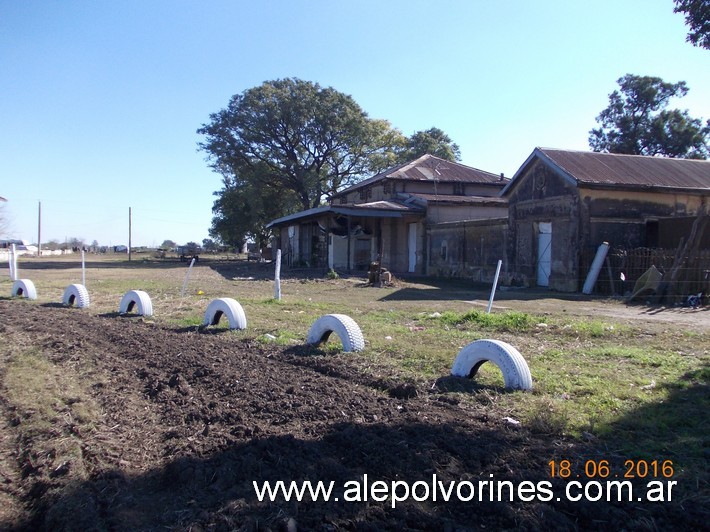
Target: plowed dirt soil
186	420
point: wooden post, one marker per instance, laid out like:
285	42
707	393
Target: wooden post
611	275
687	254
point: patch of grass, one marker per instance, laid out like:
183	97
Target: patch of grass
51	404
506	321
188	321
593	329
285	338
548	416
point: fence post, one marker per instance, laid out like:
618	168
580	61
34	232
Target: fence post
277	276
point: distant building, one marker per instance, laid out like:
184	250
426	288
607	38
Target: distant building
389	217
20	245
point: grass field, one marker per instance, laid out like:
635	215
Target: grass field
634	381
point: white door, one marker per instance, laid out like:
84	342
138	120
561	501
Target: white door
412	246
544	253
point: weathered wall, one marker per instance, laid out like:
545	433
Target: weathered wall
438	213
395	256
386	190
468	249
584	218
541	195
636	219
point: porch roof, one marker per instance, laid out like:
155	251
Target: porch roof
375	209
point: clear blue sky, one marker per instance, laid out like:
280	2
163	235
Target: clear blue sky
101	99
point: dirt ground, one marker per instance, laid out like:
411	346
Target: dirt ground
188	419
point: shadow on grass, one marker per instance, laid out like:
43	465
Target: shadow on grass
676	428
436	289
653	310
257	271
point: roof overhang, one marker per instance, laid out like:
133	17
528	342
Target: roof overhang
645	188
361	211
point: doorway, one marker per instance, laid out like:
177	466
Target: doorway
544	253
412	247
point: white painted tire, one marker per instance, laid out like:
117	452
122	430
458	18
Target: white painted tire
76	294
342	325
516	373
228	307
24	288
138	299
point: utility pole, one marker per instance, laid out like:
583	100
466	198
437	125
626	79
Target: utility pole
129	234
39	229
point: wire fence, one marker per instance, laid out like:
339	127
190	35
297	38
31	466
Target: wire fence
624	267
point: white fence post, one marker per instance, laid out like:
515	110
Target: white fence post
493	288
277	276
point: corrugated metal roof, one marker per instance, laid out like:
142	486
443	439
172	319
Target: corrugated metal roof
375	209
431	168
635	171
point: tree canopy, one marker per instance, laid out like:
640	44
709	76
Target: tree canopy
289	145
697	18
637	121
433	141
243	209
304	139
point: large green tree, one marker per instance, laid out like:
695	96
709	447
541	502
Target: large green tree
697	18
243	209
432	141
302	138
638	122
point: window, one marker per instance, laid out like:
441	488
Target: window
459	189
444	250
652	233
365	193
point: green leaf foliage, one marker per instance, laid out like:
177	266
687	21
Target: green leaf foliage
296	137
637	122
697	18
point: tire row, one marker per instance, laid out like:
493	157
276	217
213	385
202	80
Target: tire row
515	370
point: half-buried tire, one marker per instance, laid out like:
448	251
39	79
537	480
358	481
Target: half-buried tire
225	306
137	299
340	324
76	294
516	373
24	288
